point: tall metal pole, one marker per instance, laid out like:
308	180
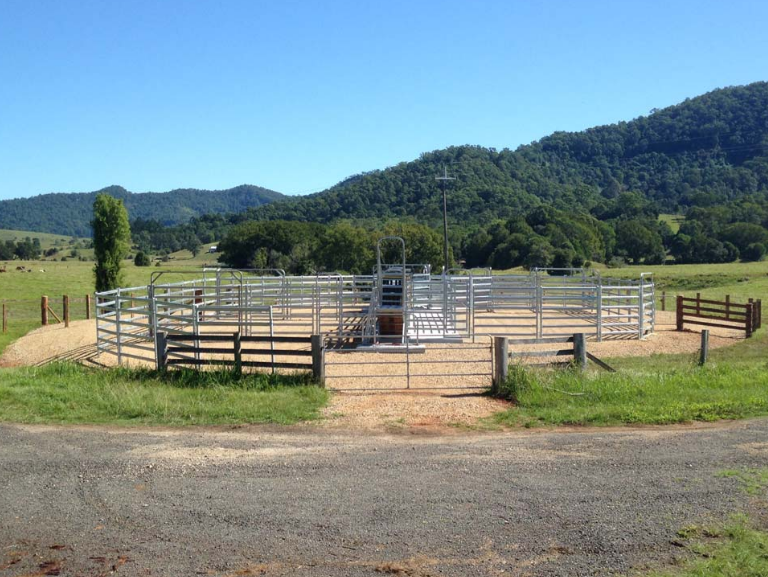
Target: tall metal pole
443	179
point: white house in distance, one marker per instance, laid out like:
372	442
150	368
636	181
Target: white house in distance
212	248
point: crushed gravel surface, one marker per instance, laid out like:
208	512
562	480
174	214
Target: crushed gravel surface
308	501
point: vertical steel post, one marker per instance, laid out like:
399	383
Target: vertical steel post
271	337
118	329
600	312
196	332
641	309
471	311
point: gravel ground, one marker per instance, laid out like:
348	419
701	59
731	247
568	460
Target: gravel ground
305	501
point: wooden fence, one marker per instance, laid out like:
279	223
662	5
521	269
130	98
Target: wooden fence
28	311
578	353
46	311
188	350
722	314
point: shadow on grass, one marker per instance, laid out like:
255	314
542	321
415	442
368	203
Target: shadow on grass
185	378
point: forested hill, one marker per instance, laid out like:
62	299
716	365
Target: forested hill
70	213
707	150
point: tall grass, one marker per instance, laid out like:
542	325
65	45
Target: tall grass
68	393
546	397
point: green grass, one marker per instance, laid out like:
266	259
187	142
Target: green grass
752	481
657	395
745	353
673	220
47	240
67	393
739	549
22	291
739	279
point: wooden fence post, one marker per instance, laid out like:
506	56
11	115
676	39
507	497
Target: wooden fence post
318	359
749	328
501	362
5	318
728	307
66	310
88	307
239	355
704	352
679	312
580	351
663	300
161	350
759	313
44	310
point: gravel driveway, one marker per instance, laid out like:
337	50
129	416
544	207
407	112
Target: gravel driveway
308	501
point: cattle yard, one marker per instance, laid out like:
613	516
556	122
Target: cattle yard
400	327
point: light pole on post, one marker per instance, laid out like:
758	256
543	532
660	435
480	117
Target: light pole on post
443	179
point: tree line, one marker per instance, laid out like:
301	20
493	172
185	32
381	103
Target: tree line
26	249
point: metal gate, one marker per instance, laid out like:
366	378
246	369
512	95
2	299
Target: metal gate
411	367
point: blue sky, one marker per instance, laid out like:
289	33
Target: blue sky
295	96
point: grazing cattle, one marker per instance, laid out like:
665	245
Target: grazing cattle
42	270
21	268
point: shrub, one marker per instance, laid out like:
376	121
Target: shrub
142	259
754	252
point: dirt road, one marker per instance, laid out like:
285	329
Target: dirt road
307	501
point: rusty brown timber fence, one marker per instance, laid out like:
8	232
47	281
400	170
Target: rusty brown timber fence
228	351
720	314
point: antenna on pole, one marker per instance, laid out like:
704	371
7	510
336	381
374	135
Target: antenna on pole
444	179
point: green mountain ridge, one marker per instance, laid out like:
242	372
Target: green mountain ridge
70	213
706	150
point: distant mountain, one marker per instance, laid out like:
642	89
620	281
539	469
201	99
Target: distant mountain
706	150
70	213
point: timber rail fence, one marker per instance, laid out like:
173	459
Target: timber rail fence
579	356
43	311
228	351
721	314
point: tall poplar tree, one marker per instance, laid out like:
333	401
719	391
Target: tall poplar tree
111	241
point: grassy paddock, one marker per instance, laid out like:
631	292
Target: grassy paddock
67	393
663	396
22	291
